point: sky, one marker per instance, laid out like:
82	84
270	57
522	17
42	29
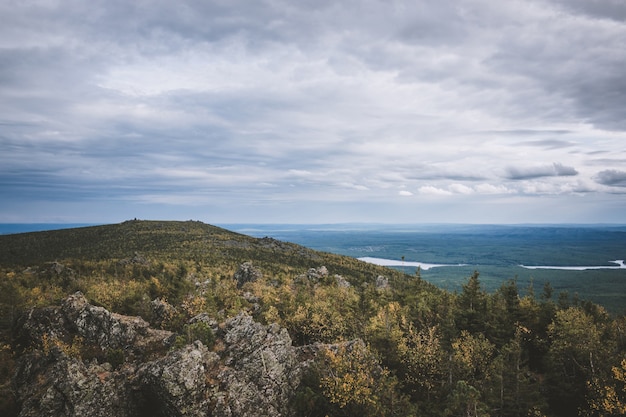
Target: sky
281	111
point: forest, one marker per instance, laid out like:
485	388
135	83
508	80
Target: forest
421	350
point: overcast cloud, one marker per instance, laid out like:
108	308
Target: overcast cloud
466	111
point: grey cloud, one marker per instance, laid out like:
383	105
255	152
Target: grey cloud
453	176
530	132
612	177
607	9
549	144
561	170
554	170
606	161
575	72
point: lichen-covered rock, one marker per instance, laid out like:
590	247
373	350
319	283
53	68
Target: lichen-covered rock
263	370
382	282
247	273
312	276
342	282
254	370
162	312
109	330
180	383
57	385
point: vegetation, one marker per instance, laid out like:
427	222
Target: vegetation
405	348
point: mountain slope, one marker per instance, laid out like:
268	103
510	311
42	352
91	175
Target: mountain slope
172	241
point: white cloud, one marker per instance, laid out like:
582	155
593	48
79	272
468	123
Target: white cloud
358	187
430	190
405	193
460	189
486	188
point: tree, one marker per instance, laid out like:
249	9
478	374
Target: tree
422	358
352	380
471	358
464	401
472	306
609	398
384	332
575	352
515	389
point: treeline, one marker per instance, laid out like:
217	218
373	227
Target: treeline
466	354
400	346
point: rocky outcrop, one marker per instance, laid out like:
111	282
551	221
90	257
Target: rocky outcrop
312	276
162	312
382	282
253	370
180	383
262	370
55	384
342	282
247	273
110	330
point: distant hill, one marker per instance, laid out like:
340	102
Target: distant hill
172	241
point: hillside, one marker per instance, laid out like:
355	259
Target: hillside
212	247
125	305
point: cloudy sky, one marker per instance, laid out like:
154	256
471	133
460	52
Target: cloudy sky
281	111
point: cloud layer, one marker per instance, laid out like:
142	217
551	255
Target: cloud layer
461	111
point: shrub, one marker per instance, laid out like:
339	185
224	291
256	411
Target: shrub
196	331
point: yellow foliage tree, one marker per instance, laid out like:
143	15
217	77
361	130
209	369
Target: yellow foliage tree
610	399
350	377
421	353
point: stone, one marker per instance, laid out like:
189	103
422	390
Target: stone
382	282
247	273
255	371
162	312
342	282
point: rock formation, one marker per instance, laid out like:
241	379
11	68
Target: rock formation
82	360
247	273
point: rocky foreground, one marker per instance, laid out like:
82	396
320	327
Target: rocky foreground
82	360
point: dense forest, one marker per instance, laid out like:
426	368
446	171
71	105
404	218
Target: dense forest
425	351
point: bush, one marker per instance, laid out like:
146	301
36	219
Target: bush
196	331
115	357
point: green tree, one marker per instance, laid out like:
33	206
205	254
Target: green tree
472	303
575	353
464	401
515	390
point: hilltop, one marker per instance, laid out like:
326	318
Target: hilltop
170	241
184	318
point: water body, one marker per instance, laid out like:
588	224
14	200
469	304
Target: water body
391	262
426	267
620	265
